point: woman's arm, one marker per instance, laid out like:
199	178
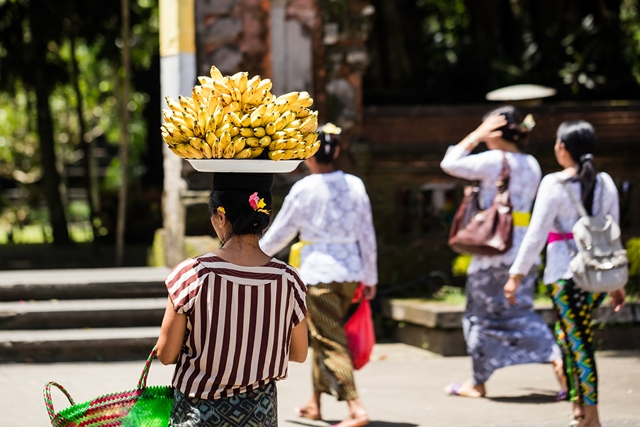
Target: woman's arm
457	161
542	219
174	327
284	227
299	343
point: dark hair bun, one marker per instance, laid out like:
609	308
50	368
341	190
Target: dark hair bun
243	217
512	131
328	144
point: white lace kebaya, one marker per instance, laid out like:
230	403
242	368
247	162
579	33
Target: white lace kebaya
486	167
553	203
332	213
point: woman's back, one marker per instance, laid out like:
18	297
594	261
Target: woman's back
239	322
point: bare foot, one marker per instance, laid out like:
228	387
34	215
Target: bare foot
591	418
354	420
466	389
578	414
311	412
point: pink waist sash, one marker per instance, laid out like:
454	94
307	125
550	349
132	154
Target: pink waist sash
554	237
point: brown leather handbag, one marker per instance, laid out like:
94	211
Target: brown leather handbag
484	232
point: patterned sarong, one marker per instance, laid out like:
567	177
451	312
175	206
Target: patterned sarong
256	408
327	305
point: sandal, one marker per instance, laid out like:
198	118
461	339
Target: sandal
453	389
302	413
562	395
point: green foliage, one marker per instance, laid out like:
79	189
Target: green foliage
633	252
450	295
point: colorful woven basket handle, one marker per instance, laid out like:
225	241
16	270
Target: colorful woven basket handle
48	401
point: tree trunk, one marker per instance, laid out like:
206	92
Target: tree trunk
51	176
86	145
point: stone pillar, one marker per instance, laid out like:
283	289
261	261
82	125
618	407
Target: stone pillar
177	77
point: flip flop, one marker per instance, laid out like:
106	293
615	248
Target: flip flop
453	389
302	413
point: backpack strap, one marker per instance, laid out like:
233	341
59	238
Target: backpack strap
503	179
576	203
572	251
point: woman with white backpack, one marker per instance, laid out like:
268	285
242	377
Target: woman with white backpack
580	269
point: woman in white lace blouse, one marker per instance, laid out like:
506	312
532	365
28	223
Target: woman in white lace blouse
553	217
331	213
497	333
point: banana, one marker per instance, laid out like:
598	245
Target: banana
167	114
205	149
281	106
239	143
229	151
253	141
214	101
290	154
258	97
248	108
241	80
223	128
176	150
216	75
259	132
226	98
235	119
218	116
265	85
195	142
255	152
277	144
198	129
280	135
189	119
184	130
170	140
246	132
204	80
211	138
243	154
229	82
310	139
173	104
270	128
289	97
203	116
254	81
256	116
207	91
234	130
193	153
313	149
265	141
304	113
310	124
236	94
248	94
276	155
291	144
284	120
293	126
245	121
196	96
234	107
186	103
217	150
225	140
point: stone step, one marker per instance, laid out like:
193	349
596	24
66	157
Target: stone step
66	314
70	345
132	282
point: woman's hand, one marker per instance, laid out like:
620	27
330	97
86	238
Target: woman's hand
486	130
370	292
617	299
510	289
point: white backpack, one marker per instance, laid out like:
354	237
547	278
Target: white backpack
600	264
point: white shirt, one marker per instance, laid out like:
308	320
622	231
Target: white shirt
486	167
332	212
553	203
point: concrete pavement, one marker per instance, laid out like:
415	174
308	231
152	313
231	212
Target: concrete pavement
401	387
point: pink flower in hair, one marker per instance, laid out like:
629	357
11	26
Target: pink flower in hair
254	200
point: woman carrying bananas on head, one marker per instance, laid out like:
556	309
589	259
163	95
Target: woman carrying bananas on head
499	334
331	213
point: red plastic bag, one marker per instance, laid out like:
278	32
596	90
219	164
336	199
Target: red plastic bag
360	334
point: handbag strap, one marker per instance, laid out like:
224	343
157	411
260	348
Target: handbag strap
505	175
48	401
142	382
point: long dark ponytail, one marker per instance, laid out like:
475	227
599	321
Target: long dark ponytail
579	138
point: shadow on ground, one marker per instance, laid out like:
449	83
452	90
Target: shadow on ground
538	396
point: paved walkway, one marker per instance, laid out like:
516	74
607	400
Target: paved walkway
402	387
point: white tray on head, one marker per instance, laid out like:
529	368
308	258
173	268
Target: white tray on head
244	165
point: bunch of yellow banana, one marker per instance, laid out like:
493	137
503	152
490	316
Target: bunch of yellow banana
235	117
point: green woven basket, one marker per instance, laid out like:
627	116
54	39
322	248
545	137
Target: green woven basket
142	407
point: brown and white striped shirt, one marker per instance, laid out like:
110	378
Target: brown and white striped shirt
239	322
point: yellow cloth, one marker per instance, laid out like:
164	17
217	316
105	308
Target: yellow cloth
295	253
521	219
